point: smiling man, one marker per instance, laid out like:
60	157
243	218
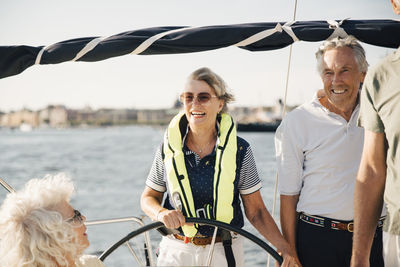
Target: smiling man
318	148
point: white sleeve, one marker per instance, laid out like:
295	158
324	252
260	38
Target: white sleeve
89	261
289	157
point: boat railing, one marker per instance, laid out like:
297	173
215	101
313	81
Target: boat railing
134	219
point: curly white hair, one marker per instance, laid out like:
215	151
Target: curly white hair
32	231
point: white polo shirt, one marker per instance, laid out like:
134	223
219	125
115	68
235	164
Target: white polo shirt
318	154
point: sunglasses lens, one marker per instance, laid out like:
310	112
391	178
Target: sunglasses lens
187	98
78	216
203	97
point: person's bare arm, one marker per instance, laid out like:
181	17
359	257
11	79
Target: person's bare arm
368	196
289	220
260	218
150	202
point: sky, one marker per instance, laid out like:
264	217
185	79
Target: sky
134	81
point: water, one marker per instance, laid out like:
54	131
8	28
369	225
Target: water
109	167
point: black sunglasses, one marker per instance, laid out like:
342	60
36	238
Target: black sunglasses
77	217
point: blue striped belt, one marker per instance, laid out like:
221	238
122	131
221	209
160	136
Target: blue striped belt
332	224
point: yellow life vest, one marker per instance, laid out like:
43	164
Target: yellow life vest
224	171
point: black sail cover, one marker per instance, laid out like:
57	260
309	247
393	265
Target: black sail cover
177	39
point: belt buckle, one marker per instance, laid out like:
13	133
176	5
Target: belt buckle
350	224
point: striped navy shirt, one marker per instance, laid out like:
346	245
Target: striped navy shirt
249	180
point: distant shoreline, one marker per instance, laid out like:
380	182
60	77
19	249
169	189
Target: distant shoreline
59	116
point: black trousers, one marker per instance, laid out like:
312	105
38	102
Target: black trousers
321	246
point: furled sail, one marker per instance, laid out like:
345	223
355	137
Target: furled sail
172	40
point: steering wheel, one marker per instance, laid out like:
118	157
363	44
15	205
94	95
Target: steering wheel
161	228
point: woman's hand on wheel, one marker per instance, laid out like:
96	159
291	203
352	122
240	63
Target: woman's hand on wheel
172	219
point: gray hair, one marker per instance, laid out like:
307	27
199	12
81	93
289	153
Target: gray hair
338	42
215	82
32	231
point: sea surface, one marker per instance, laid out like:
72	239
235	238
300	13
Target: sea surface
109	167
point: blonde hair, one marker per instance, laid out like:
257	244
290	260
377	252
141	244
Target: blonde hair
32	231
215	82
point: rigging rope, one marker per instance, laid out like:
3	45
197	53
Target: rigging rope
282	116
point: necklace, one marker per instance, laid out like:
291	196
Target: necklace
200	150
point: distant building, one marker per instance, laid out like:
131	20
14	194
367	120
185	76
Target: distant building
81	116
54	116
115	116
154	116
16	118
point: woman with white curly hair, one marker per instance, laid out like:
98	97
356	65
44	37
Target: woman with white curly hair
38	226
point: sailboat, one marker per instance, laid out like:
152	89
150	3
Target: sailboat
174	39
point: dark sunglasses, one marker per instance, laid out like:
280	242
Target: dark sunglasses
77	217
202	98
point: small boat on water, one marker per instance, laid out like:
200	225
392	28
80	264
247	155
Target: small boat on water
258	126
25	127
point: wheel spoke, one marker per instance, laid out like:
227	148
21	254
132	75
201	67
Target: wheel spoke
211	250
216	224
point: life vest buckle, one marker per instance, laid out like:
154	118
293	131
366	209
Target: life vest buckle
201	213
